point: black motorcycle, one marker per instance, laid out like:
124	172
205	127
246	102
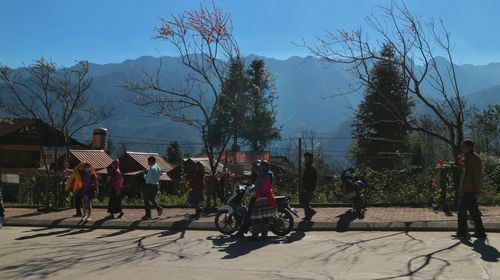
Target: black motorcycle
230	216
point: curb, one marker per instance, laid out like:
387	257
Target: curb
188	224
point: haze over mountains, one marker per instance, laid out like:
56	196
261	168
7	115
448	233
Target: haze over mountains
308	89
309	93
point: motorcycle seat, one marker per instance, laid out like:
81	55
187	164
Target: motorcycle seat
281	199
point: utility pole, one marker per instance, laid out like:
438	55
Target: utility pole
300	167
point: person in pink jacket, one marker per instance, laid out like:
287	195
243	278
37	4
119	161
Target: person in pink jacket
265	205
115	195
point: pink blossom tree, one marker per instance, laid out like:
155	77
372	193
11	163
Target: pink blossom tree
203	40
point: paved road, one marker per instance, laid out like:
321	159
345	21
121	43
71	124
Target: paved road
40	253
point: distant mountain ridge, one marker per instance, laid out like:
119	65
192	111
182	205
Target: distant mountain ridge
309	95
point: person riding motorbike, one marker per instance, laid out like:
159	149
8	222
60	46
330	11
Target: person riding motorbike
353	190
245	225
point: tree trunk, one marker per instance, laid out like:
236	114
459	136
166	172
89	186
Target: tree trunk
457	172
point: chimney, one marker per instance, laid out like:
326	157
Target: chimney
99	139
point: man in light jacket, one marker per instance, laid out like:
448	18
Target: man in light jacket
470	188
150	190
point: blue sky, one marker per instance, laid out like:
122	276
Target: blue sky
103	31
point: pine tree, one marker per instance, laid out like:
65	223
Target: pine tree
232	104
380	121
174	154
259	128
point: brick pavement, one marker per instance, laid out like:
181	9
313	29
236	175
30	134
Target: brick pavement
374	214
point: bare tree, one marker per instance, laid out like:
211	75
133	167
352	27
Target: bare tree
311	140
56	96
203	40
417	44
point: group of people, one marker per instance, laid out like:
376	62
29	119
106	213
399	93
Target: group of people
84	185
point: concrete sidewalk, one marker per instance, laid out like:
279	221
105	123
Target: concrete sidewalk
334	219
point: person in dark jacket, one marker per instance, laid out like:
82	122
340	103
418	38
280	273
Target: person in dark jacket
308	186
470	188
196	196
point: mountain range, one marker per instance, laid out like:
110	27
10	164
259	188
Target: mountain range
312	94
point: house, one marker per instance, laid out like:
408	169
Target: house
240	163
23	140
205	162
190	165
99	159
134	164
22	143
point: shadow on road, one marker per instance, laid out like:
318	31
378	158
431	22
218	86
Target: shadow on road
345	220
237	247
46	258
45	234
488	252
423	261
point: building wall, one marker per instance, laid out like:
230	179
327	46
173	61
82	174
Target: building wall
20	156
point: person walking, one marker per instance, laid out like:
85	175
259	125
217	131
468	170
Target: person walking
83	184
470	189
264	207
115	195
89	189
308	186
150	189
195	196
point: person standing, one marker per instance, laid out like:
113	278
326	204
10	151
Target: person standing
196	197
115	195
245	225
89	189
264	207
77	198
150	189
83	175
470	188
308	186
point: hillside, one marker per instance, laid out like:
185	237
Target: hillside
308	89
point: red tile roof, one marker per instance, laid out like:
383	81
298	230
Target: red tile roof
98	158
142	159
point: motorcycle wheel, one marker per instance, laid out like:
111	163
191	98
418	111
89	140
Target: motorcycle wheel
225	223
283	223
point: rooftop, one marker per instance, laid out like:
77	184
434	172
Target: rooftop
98	158
142	159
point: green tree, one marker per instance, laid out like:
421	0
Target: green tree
233	104
485	128
379	127
259	128
174	154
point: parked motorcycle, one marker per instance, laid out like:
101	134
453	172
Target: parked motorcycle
355	191
230	216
